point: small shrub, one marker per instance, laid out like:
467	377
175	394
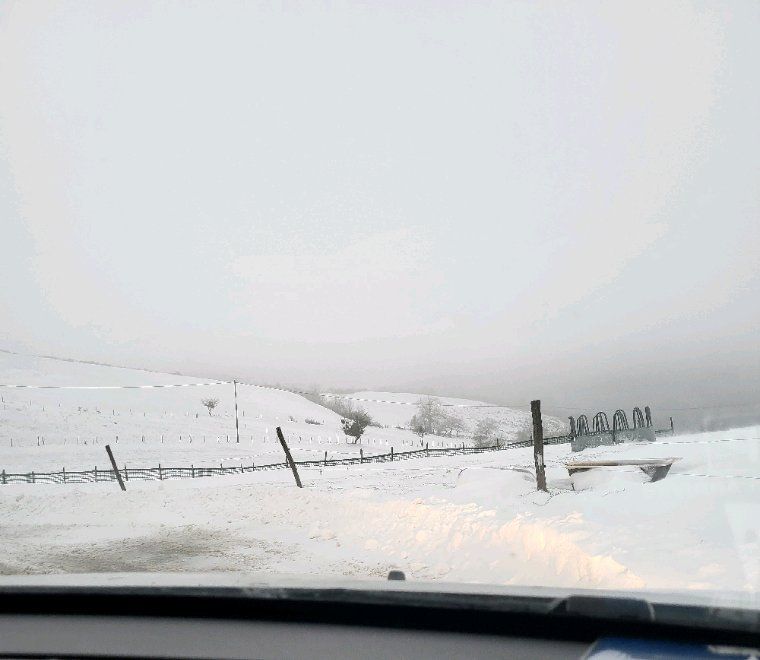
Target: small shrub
309	420
210	404
355	427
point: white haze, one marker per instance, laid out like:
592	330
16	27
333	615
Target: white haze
496	200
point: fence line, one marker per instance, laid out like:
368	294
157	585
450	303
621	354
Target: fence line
160	473
110	387
328	395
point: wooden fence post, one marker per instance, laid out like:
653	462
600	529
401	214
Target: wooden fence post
538	445
325	458
3	477
126	473
288	457
391	453
361	455
64	475
115	468
672	432
160	477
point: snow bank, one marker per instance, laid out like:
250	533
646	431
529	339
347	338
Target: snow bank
494	484
608	479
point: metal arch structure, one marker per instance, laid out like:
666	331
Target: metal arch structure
601	423
584	434
638	418
619	421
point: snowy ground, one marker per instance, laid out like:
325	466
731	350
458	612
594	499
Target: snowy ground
458	518
464	518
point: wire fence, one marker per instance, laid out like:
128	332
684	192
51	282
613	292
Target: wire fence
161	473
307	393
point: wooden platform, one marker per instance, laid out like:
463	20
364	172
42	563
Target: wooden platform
656	468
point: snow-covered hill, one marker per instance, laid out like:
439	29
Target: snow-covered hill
47	429
400	411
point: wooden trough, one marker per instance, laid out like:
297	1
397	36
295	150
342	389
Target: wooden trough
655	468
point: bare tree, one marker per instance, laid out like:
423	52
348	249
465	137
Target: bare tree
210	404
525	433
429	419
451	425
485	432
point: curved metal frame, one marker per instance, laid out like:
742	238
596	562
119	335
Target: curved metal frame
601	423
620	421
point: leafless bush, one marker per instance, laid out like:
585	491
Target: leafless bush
210	404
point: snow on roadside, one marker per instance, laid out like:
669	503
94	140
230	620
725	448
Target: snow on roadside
357	530
459	519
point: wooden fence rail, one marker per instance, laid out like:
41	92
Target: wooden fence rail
193	472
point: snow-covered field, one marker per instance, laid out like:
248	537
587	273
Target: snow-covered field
50	429
474	518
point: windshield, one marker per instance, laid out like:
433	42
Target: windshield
463	293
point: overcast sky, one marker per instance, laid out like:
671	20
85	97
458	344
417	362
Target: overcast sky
503	200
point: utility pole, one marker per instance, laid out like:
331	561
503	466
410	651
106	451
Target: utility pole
237	425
